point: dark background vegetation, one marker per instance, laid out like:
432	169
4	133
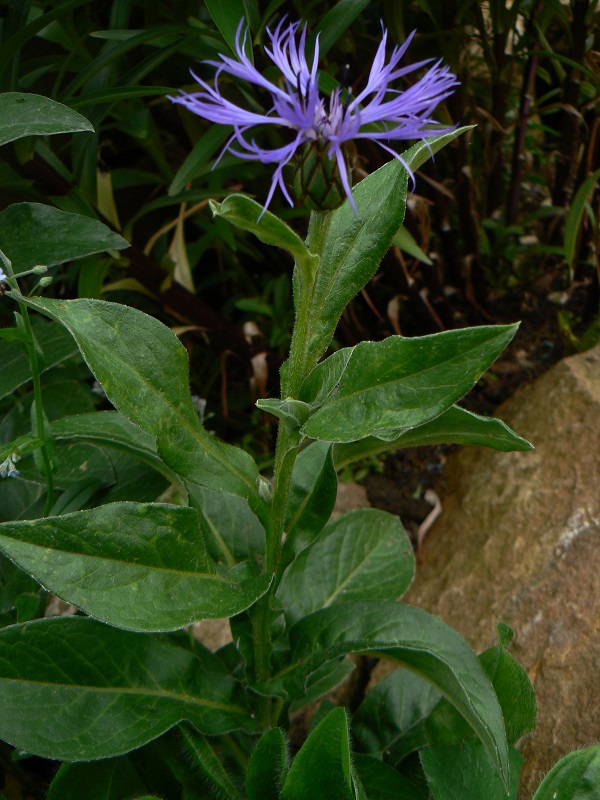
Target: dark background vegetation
502	225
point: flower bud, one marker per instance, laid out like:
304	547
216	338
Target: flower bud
45	281
316	181
39	269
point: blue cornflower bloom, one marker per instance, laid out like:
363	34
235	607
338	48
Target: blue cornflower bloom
378	112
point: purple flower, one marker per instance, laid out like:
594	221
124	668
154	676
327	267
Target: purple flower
378	112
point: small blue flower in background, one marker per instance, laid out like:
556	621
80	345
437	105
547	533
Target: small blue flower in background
8	467
378	112
2	275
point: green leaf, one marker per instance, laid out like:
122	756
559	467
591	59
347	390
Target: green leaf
143	369
401	383
575	777
455	772
226	17
56	344
355	243
321	770
312	497
390	719
353	247
382	782
406	242
108	428
408	636
248	215
33	115
363	555
205	760
113	430
513	690
197	158
236	533
111	779
74	689
454	426
575	215
293	413
324	680
422	151
142	567
267	767
32	233
336	21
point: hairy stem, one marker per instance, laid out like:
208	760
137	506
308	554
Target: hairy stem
288	440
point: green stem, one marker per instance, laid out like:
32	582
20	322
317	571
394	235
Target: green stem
39	408
288	441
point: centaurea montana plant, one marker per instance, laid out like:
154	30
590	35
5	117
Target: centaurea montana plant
302	592
379	112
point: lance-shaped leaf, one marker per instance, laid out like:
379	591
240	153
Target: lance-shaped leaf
112	429
401	383
56	344
363	555
74	689
391	718
142	567
250	216
413	638
312	497
143	369
33	115
355	243
32	233
455	772
321	770
454	426
267	767
575	777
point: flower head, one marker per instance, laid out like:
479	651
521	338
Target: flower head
377	112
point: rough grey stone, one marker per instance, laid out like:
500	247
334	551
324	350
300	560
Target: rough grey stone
519	541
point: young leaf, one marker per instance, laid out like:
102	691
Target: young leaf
267	767
454	426
321	770
143	369
575	777
74	689
33	115
413	638
207	763
363	555
455	772
248	215
355	243
312	497
401	383
353	247
234	532
32	233
390	718
142	567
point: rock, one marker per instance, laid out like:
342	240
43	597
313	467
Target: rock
519	541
